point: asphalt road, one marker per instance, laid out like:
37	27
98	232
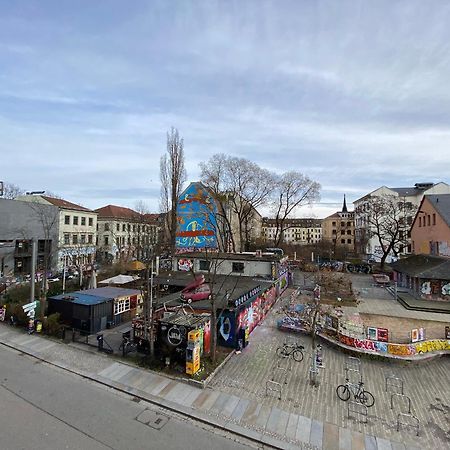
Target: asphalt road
42	407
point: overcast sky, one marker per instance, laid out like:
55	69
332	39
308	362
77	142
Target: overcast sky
355	95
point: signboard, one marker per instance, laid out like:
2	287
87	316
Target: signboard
174	336
372	333
447	332
382	334
417	334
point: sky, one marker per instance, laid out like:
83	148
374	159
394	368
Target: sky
353	94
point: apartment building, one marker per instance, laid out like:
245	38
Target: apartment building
301	231
67	229
408	199
125	234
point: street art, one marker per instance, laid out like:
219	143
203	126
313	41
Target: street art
226	329
196	219
426	288
446	289
185	265
396	349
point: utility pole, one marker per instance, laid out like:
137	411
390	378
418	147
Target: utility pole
33	268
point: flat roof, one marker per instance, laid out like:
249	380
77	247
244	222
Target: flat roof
80	298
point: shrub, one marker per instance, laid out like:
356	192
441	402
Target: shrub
51	324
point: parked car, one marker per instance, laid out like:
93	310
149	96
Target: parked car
195	291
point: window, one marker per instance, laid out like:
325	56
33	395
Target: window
349	224
118	226
349	231
83	238
106	226
428	220
75	239
75	220
134	228
342	241
434	219
91	221
333	224
67	220
105	240
129	227
83	221
420	221
90	238
342	224
66	238
124	227
204	265
238	267
349	241
121	306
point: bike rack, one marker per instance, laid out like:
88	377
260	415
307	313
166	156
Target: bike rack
411	421
401	397
358	409
350	374
288	361
353	363
393	382
280	373
274	387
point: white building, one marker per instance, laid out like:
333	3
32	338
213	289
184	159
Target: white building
410	196
75	227
295	231
125	234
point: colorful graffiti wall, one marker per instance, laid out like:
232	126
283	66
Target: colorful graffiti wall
248	315
196	220
395	349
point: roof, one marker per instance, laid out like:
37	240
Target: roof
424	266
80	298
245	256
65	204
111	292
186	320
118	212
120	279
441	203
303	222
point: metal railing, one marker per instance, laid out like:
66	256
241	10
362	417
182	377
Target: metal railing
359	411
409	421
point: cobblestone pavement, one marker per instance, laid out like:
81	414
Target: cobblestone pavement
426	383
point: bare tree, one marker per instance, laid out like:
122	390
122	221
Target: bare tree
388	219
172	175
241	186
12	191
292	190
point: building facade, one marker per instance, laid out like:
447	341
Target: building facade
410	197
302	231
339	229
75	226
125	234
430	231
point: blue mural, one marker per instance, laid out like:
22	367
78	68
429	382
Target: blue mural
196	220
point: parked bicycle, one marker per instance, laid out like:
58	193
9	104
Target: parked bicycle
294	350
344	392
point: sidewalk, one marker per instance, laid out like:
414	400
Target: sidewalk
272	426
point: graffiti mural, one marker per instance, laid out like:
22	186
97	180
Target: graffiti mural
226	329
395	349
196	220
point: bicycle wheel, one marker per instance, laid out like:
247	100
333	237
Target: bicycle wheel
343	392
366	398
297	355
281	352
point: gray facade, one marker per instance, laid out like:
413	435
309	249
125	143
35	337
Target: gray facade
20	222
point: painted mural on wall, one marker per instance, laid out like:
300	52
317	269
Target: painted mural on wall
247	316
196	220
396	349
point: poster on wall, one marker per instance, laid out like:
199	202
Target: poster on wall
447	332
421	334
372	333
382	334
414	335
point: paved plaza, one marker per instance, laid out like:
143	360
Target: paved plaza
304	417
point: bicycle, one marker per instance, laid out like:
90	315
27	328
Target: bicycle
294	350
344	391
